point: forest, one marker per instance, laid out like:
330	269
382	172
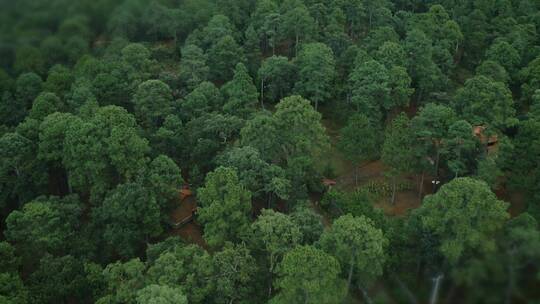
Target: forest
269	151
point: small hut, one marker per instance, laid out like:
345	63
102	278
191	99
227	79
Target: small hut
186	209
328	183
490	141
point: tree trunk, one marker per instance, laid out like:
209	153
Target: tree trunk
316	104
349	277
262	93
421	186
356	174
410	296
510	284
393	189
271	271
365	295
296	45
437	159
435	289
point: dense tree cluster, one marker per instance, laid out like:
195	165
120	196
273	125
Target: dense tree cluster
107	108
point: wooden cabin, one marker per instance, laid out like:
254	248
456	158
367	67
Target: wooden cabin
328	183
186	210
490	141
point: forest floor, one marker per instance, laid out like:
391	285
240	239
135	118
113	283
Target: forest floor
344	174
191	232
348	179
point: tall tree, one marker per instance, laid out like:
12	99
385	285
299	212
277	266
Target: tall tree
44	225
475	212
308	275
483	101
359	140
225	207
122	281
161	294
430	127
153	102
275	233
235	274
223	56
296	23
276	76
357	245
459	148
240	93
316	72
205	98
299	127
104	149
194	69
27	88
396	150
187	267
129	217
426	75
369	88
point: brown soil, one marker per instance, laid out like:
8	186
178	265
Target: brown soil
516	199
405	201
191	232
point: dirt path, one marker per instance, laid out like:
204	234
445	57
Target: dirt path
191	232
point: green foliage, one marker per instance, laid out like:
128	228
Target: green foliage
396	151
194	69
225	207
186	267
463	215
160	294
308	275
240	93
45	104
67	282
129	216
164	180
525	145
107	142
9	260
12	289
296	23
316	72
27	88
358	203
309	222
44	225
460	147
205	98
235	271
223	56
276	74
357	245
59	80
275	233
153	102
256	174
108	108
299	127
360	139
122	280
483	101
